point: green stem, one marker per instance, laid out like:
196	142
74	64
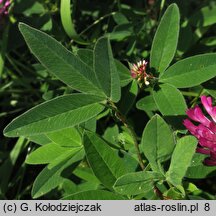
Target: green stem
4	48
161	8
162	4
96	22
119	4
136	145
192	94
123	119
18	63
14	65
194	101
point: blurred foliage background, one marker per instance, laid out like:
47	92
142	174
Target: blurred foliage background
131	26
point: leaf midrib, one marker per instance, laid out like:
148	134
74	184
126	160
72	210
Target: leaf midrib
59	57
103	159
135	180
38	193
183	74
164	42
52	116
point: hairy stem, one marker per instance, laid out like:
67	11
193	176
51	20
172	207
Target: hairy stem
123	119
136	145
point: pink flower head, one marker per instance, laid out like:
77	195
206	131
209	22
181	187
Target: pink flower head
4	7
138	71
205	130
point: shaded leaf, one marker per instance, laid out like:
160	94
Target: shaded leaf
90	124
129	94
45	154
124	73
204	17
41	139
8	165
147	104
50	178
86	174
68	137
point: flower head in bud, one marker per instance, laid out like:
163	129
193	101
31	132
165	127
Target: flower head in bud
138	71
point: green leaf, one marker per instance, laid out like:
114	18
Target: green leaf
175	194
62	157
111	135
28	7
36	8
59	61
136	183
187	38
119	35
90	125
209	41
209	87
165	40
67	22
41	139
124	73
121	32
45	154
7	167
181	159
125	139
105	69
120	18
128	98
204	17
197	170
147	104
68	137
86	55
191	71
3	48
157	141
86	186
86	174
50	177
94	195
130	160
169	100
61	112
105	163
